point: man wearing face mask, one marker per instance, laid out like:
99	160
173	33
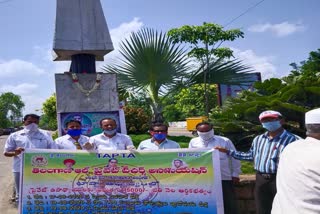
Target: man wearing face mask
109	139
230	168
29	137
159	132
265	153
73	140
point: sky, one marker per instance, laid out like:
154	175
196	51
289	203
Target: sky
276	33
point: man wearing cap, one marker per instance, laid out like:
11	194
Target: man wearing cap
298	178
265	152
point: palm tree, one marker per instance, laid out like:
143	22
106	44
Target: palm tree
151	64
227	72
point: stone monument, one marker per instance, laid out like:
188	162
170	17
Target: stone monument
82	36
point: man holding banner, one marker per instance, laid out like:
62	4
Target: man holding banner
230	167
159	140
109	139
73	140
29	137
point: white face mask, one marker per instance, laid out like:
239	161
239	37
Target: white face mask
206	136
33	127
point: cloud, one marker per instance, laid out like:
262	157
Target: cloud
23	77
118	35
17	67
262	64
21	89
27	92
280	30
124	31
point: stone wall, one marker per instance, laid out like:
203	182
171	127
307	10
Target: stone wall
245	194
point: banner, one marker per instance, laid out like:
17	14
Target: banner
169	181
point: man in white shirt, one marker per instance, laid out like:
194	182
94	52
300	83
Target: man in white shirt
73	140
109	139
298	177
159	132
230	167
29	137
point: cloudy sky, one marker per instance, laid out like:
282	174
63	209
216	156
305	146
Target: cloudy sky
277	33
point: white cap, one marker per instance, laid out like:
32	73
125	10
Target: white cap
269	114
313	116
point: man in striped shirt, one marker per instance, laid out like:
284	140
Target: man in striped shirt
265	152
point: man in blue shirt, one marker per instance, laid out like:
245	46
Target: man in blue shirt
159	132
265	152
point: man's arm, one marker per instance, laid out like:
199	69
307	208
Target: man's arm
237	154
235	164
10	149
14	153
129	143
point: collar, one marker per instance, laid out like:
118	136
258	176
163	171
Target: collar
109	137
70	138
23	132
155	142
280	135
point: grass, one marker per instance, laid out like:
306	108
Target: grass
246	167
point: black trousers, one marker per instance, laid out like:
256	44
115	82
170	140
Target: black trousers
264	193
229	198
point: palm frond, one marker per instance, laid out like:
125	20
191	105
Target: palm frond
231	72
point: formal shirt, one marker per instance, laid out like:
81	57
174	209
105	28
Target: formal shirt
117	142
40	139
67	142
150	144
298	179
265	151
229	167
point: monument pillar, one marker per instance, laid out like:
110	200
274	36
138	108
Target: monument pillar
82	37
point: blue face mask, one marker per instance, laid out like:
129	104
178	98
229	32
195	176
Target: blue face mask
159	136
110	132
74	132
272	126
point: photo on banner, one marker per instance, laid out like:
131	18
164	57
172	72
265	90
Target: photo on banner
177	181
90	121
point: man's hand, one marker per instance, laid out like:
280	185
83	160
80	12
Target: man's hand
221	149
88	146
131	148
235	180
18	151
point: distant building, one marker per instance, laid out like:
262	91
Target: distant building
225	91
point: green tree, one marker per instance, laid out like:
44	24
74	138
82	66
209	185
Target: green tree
137	120
308	70
205	43
152	65
49	118
189	102
292	96
11	107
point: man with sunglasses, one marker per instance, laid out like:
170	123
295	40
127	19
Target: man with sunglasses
159	132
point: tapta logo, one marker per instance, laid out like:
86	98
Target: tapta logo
39	160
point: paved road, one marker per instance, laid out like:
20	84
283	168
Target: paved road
6	181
